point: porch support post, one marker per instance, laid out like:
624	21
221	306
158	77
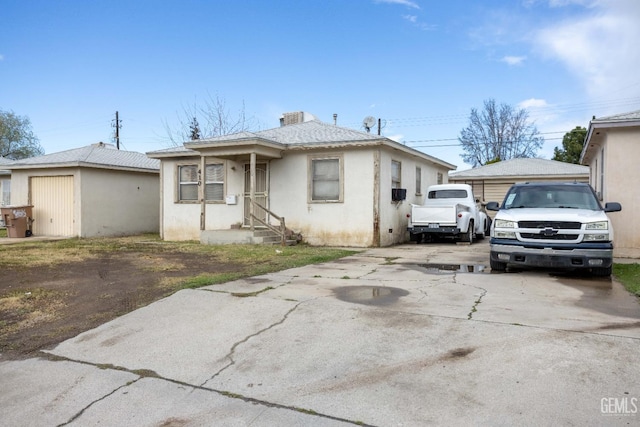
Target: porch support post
252	190
201	193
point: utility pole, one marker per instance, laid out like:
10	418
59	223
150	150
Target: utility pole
117	125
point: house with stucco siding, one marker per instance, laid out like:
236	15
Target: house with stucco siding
90	191
329	184
611	151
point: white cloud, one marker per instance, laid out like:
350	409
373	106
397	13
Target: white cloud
599	47
411	18
1	57
533	103
514	60
407	3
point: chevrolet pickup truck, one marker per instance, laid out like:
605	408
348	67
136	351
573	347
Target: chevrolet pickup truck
449	210
552	225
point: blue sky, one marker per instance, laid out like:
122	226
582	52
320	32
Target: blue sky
419	65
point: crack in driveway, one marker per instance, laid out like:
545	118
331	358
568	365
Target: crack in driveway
247	338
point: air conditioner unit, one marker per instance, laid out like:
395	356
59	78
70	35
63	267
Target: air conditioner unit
398	194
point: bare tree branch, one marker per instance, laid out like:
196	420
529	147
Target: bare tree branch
498	133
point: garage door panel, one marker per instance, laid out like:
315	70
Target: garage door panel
52	200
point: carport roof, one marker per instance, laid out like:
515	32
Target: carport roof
99	155
523	168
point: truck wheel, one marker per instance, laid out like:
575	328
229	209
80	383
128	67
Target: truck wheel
497	265
601	271
468	236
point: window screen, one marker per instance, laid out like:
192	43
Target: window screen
325	179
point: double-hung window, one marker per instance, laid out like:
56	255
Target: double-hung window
396	174
189	179
187	183
325	179
214	182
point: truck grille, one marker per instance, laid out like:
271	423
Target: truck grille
554	237
566	225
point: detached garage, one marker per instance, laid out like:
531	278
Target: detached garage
90	191
491	182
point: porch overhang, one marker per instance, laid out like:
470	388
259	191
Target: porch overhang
238	149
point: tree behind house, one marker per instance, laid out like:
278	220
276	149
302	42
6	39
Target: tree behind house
215	119
572	144
499	132
17	140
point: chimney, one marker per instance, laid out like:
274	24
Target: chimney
295	118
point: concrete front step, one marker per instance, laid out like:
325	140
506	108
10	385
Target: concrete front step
242	236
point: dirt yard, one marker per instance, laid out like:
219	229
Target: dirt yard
50	304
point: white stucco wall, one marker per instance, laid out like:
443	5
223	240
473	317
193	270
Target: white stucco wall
349	222
118	203
621	172
393	215
346	223
106	202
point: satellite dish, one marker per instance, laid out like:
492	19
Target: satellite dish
369	122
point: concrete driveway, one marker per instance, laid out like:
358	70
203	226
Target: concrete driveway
403	336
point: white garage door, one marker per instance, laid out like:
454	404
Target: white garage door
52	200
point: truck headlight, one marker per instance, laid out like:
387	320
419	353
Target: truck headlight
503	223
600	225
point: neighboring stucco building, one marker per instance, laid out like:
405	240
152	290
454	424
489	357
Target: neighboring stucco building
491	182
332	185
612	152
90	191
5	182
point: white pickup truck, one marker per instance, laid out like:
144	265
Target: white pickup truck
449	210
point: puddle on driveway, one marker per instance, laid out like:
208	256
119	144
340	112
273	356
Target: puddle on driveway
369	295
603	295
453	268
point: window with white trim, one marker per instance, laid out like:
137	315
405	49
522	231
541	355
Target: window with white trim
214	182
189	179
418	180
325	179
187	183
396	174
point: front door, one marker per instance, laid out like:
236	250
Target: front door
261	192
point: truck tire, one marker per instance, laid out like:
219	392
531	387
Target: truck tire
468	236
497	265
601	271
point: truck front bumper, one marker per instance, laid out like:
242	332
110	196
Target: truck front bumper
585	255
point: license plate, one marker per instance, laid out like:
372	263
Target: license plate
434	225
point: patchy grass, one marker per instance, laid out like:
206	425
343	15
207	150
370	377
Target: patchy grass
27	308
3	232
629	276
258	259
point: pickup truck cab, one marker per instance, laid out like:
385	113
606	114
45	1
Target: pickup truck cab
552	225
449	210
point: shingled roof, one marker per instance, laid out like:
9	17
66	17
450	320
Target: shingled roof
99	155
308	134
523	167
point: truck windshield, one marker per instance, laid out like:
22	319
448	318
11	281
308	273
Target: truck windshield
551	196
447	194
